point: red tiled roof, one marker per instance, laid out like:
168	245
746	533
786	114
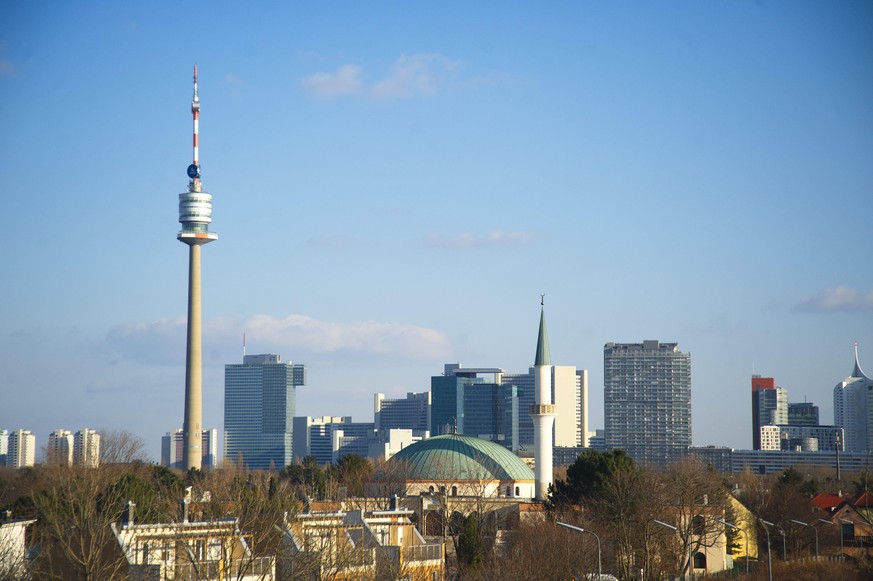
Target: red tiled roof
863	500
826	501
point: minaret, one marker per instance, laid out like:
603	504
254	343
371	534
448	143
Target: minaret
542	412
195	214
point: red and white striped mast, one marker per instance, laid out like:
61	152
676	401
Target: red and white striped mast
195	111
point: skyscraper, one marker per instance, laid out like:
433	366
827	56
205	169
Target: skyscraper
4	446
769	406
463	402
647	400
853	409
22	449
803	414
173	446
570	394
86	448
195	214
259	407
410	413
60	448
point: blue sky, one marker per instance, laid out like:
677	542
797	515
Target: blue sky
396	183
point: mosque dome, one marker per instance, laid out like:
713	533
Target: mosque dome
456	457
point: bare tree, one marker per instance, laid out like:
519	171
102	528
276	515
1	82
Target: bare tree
260	500
694	498
76	510
121	447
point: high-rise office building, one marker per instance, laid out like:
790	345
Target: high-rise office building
60	448
409	413
647	400
259	406
4	446
195	214
853	409
462	402
769	406
22	449
570	394
803	414
86	448
173	447
329	437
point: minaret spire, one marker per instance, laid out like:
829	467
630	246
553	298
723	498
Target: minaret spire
542	412
542	356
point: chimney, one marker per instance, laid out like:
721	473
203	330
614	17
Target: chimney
128	517
394	499
184	504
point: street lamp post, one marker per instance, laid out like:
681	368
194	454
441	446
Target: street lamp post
829	522
745	534
769	561
848	522
581	530
690	548
784	552
815	530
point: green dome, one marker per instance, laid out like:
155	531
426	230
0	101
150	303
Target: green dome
456	457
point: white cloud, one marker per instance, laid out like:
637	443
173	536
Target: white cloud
160	342
163	342
345	81
235	86
372	337
411	75
841	298
492	238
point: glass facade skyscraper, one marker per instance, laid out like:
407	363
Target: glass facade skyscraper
647	400
462	401
259	407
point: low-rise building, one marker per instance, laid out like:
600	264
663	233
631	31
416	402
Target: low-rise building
183	551
356	545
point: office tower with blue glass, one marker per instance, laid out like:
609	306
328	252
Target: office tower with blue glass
466	403
259	408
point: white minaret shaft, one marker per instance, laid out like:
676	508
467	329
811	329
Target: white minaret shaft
542	412
195	214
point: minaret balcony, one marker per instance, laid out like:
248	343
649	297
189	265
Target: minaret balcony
542	409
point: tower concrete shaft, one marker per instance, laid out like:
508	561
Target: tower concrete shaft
192	426
542	412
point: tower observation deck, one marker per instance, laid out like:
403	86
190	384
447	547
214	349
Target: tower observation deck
195	205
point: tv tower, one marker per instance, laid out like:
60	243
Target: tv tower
195	214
